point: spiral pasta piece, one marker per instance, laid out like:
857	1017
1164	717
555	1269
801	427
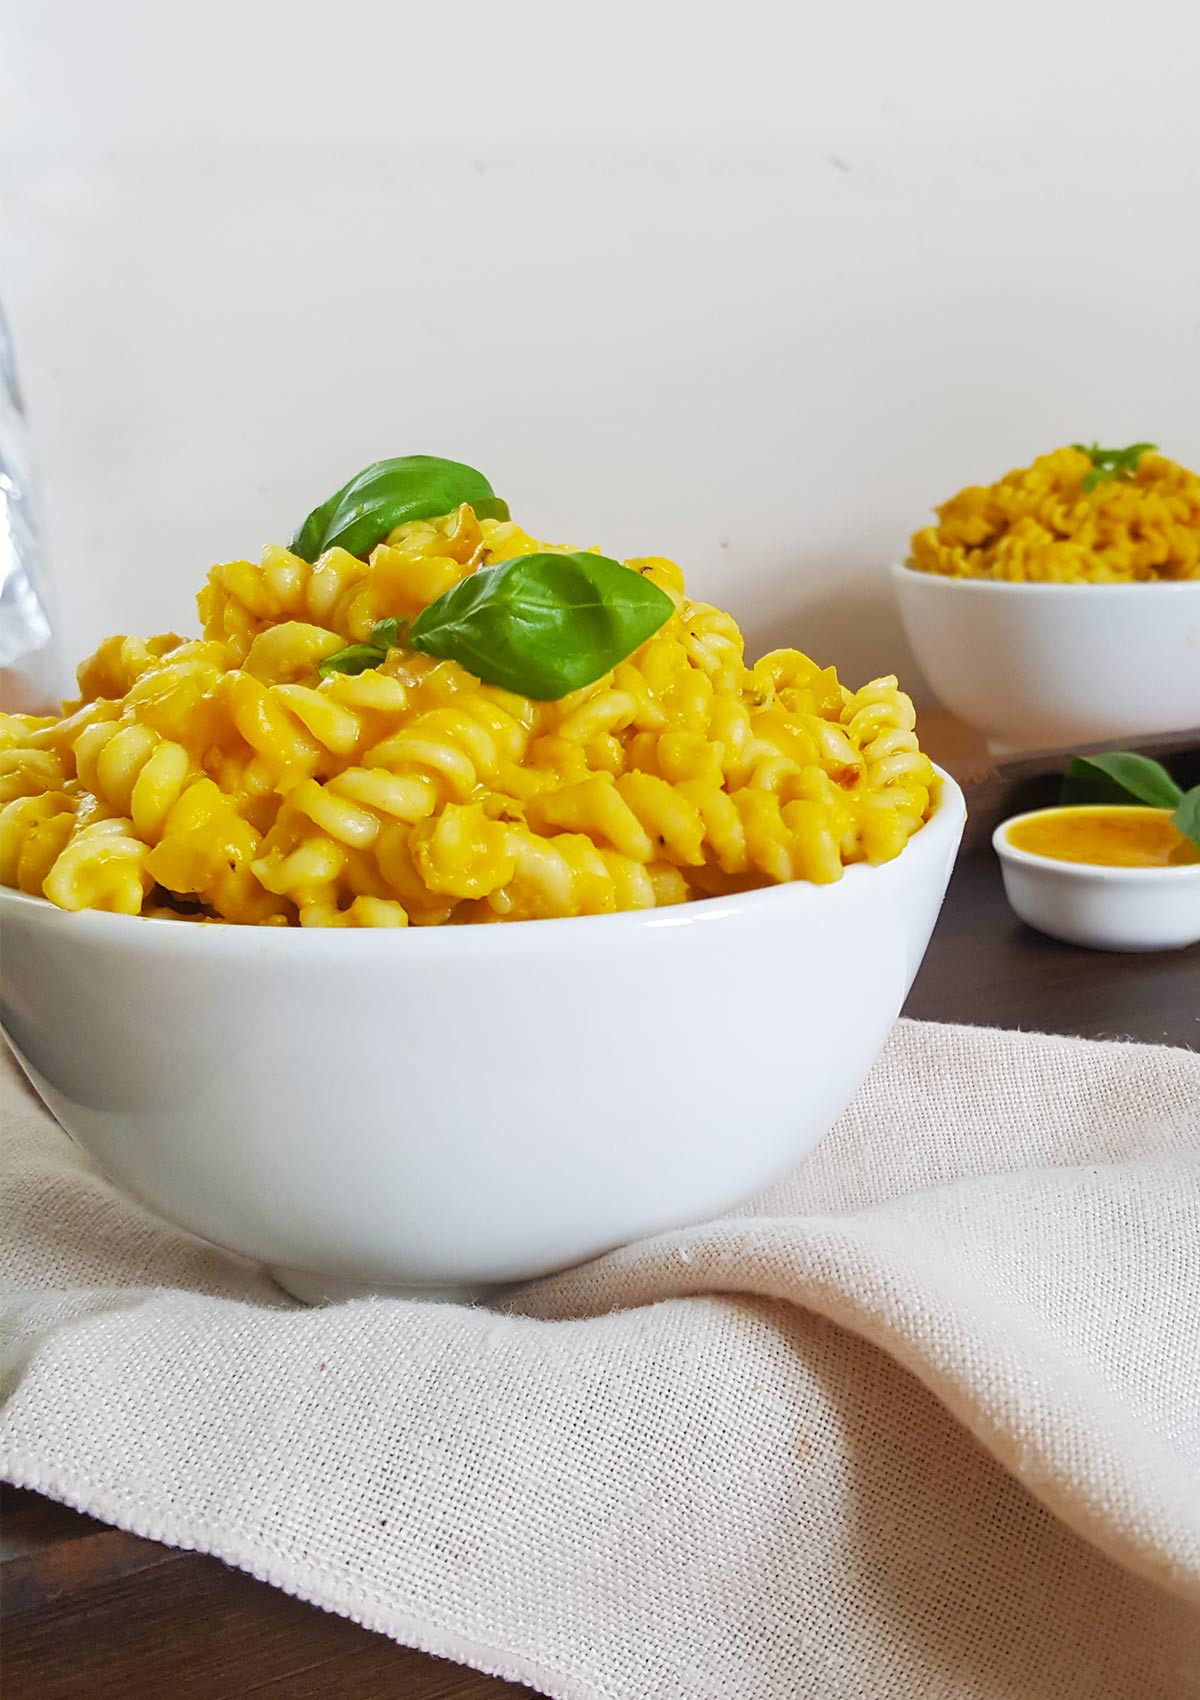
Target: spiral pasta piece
102	866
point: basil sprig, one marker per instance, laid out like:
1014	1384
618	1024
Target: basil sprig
1111	463
542	625
1119	776
1186	818
388	493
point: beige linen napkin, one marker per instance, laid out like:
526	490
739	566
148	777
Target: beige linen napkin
922	1421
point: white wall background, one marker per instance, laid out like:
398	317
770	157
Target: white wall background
749	285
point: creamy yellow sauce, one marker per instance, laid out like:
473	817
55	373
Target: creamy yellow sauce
1105	835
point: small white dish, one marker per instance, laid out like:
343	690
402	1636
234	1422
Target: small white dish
453	1108
1103	908
1056	666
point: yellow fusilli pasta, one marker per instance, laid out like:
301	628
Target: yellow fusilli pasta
1040	524
225	778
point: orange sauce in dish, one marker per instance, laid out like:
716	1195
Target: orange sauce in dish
1105	835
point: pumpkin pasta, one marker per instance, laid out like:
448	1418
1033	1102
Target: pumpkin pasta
233	778
1059	521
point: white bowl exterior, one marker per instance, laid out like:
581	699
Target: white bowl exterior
470	1105
1053	666
1125	909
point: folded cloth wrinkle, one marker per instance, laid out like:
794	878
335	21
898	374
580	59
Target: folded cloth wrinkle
921	1420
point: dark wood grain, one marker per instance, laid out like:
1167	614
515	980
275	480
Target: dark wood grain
89	1610
187	1628
985	966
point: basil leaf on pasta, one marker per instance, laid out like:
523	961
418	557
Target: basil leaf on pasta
387	634
542	625
386	494
1111	463
356	659
1119	776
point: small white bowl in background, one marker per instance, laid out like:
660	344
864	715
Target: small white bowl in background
1056	666
442	1110
1104	908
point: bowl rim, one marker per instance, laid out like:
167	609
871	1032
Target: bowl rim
941	831
1053	867
903	573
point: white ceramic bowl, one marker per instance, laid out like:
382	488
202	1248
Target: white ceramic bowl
1055	666
1103	908
452	1108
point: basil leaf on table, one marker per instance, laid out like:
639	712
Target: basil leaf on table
1186	819
1119	776
387	494
542	625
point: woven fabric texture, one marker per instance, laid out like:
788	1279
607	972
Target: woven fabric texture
920	1423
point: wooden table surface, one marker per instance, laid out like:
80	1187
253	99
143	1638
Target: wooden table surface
91	1611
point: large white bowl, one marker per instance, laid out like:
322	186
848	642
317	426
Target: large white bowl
1053	666
452	1108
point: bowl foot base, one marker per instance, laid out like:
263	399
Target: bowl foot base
313	1289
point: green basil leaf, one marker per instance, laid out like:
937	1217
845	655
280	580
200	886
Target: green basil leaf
388	634
1119	776
1111	463
385	495
542	625
356	659
1186	818
309	539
